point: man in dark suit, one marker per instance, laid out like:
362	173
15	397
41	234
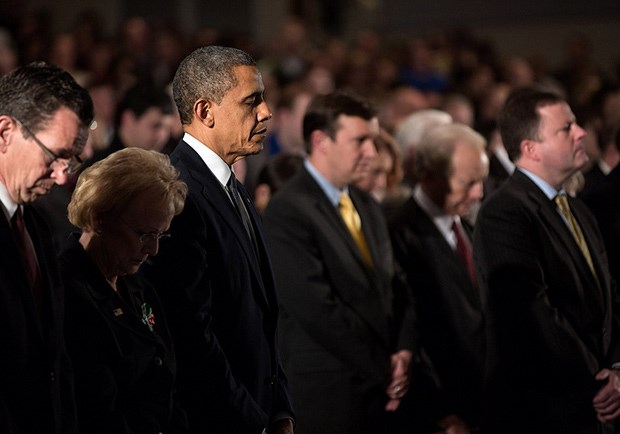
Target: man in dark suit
214	275
552	312
603	199
44	119
343	345
432	245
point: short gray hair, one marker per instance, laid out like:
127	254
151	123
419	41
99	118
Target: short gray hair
434	152
208	73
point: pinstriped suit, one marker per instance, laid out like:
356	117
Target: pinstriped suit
551	329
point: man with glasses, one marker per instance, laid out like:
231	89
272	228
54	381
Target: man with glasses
44	119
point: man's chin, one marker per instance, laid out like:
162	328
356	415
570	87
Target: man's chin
255	148
35	193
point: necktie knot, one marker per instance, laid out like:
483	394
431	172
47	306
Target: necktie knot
349	213
562	203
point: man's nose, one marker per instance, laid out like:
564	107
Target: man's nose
59	172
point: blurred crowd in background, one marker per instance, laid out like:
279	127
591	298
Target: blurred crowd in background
453	71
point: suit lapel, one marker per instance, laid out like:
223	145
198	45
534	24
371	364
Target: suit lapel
550	215
433	240
18	275
375	317
217	199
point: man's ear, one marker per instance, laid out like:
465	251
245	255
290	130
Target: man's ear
203	111
7	127
319	141
529	149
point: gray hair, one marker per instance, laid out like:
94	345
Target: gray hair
208	73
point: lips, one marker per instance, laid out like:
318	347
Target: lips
262	132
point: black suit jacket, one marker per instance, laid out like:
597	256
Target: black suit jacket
448	310
338	328
36	390
603	199
124	372
551	328
221	307
497	175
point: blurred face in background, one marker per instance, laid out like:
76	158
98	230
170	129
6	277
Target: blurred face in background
151	131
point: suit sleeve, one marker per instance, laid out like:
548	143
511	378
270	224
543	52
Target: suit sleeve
306	290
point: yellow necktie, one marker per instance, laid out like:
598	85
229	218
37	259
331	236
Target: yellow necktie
562	203
354	224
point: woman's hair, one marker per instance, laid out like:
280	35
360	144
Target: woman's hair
107	187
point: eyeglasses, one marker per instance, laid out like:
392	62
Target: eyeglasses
71	164
145	237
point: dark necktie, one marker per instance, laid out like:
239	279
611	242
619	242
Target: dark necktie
28	256
464	253
233	191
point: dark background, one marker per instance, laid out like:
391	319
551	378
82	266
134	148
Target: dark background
528	28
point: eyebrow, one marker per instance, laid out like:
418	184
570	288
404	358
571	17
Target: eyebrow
253	95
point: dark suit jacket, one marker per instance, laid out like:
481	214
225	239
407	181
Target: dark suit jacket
338	328
124	372
591	180
448	310
36	390
603	199
221	307
497	175
551	327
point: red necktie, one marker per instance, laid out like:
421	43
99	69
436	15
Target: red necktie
28	255
463	251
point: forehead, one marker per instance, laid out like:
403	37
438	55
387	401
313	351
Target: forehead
61	131
152	114
467	157
354	125
249	81
555	113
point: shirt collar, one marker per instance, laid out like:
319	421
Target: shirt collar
332	193
8	206
442	221
214	162
543	185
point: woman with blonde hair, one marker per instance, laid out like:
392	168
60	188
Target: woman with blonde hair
116	331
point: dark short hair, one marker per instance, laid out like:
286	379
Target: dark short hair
207	72
324	110
33	93
519	119
142	97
